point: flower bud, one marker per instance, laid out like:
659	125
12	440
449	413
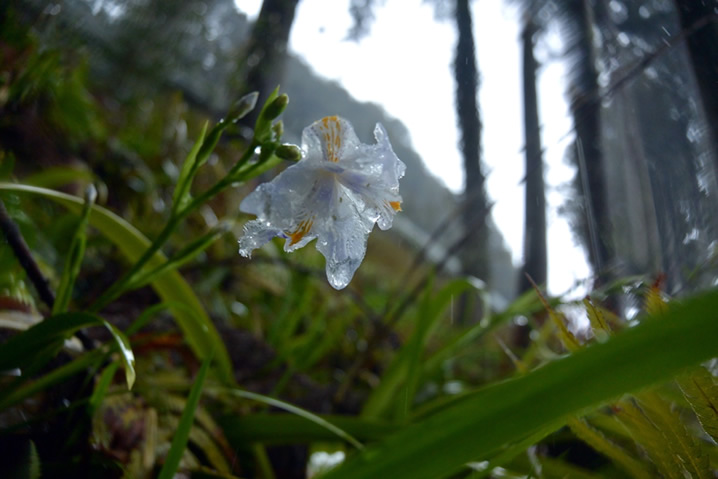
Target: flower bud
242	106
275	108
278	130
288	152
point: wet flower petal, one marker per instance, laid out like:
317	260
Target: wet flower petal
335	194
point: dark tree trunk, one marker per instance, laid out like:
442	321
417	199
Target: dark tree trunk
535	201
476	208
700	19
262	65
586	117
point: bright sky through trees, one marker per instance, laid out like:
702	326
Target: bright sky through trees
404	64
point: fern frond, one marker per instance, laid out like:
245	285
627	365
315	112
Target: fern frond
595	438
654	302
701	392
599	325
682	445
567	337
645	433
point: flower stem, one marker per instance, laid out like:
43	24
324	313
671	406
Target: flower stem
120	286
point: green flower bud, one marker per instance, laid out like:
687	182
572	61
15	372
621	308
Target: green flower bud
275	108
289	152
278	129
242	106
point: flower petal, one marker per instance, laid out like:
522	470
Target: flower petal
329	140
256	234
343	245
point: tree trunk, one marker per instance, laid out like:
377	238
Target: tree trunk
699	18
476	208
262	65
535	199
586	117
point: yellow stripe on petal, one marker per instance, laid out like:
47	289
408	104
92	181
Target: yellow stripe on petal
332	135
396	205
301	231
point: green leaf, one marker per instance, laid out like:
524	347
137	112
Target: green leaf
73	260
57	176
56	376
22	460
102	386
180	196
181	435
51	332
701	392
292	429
19	349
514	449
126	354
200	333
470	429
294	410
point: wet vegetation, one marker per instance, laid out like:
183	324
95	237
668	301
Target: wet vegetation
136	342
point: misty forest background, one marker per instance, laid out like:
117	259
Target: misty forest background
114	94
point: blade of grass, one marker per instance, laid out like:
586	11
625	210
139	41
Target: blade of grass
56	376
292	409
22	347
651	352
180	196
283	428
125	350
19	349
179	441
57	176
73	260
103	384
198	329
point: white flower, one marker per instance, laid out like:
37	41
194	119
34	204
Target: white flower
335	193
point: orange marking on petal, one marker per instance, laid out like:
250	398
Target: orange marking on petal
301	231
396	205
332	137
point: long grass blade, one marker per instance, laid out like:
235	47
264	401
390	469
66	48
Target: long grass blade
56	376
294	410
181	436
470	429
284	428
73	260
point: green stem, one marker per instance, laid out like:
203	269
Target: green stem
120	286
